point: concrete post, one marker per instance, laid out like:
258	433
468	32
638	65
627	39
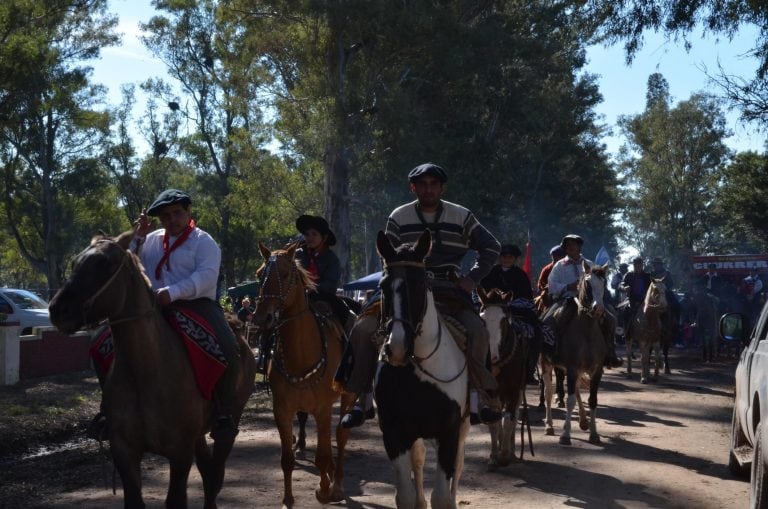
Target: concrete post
9	353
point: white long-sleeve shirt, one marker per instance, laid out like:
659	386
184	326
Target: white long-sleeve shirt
565	272
194	265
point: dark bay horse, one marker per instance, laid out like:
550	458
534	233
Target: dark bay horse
649	329
307	350
581	351
421	383
508	364
151	398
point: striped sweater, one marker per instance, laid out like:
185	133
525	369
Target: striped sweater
455	230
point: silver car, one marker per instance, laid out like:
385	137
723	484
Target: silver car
24	307
749	424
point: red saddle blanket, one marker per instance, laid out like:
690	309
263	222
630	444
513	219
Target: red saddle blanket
205	354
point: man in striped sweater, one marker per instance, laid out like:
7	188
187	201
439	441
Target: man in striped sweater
455	231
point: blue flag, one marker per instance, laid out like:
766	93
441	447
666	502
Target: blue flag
602	257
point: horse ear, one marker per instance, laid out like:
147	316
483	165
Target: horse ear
423	245
291	250
384	246
265	253
125	238
587	268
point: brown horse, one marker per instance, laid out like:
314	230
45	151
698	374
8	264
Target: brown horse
307	350
648	329
581	351
151	398
508	361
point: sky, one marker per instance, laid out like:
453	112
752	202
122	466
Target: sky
623	87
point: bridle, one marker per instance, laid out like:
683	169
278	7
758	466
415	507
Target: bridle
417	328
88	303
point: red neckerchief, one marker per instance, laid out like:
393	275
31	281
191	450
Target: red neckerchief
312	266
168	250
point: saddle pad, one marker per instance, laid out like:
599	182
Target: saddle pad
205	355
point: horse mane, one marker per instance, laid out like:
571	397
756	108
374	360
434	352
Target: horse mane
305	276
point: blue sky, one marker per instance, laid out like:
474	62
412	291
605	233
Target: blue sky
623	88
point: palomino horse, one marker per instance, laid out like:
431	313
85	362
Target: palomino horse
421	383
307	350
151	399
648	329
508	360
581	351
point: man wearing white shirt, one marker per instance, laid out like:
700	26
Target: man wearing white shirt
182	264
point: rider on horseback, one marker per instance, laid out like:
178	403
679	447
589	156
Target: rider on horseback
455	230
182	263
563	282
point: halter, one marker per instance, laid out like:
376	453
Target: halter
414	359
320	366
88	303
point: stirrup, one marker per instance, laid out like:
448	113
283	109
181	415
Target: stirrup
353	419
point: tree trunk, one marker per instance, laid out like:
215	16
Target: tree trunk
336	187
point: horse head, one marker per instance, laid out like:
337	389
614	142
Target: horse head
655	296
92	294
591	288
494	313
404	294
282	285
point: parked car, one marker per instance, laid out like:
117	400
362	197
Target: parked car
24	307
749	424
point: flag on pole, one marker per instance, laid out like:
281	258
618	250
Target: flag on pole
602	257
527	260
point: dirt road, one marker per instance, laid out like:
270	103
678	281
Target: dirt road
663	445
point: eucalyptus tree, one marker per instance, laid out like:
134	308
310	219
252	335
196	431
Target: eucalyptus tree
52	127
671	166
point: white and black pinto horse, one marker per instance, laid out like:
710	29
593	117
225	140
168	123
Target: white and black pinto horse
421	380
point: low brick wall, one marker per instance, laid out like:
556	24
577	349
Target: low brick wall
50	352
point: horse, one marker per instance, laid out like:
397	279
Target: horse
307	350
421	384
541	303
508	364
647	328
151	398
581	352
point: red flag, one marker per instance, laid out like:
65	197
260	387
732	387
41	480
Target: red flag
527	260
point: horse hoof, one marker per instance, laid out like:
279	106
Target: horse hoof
560	403
550	432
583	425
594	439
322	497
337	495
643	380
541	406
667	371
565	440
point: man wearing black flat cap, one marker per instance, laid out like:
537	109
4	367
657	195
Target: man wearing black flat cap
455	230
182	263
635	284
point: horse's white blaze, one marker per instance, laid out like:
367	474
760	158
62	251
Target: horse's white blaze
598	291
396	338
445	363
493	315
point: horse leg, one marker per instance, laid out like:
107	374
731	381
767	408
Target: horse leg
301	441
583	423
657	367
447	450
284	421
459	467
495	430
177	487
565	437
665	350
549	391
128	465
342	435
630	354
645	362
324	454
508	429
560	387
405	489
594	383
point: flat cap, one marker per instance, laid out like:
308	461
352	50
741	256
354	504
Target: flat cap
556	251
637	259
574	237
430	169
168	197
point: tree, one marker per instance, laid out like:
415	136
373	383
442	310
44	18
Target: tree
671	165
627	21
51	128
742	203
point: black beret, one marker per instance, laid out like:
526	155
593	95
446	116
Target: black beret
425	169
305	222
168	197
571	236
511	249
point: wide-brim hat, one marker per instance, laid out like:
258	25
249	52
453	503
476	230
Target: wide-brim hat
168	197
510	249
306	222
571	236
425	169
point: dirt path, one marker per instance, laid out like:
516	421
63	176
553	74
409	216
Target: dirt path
664	445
